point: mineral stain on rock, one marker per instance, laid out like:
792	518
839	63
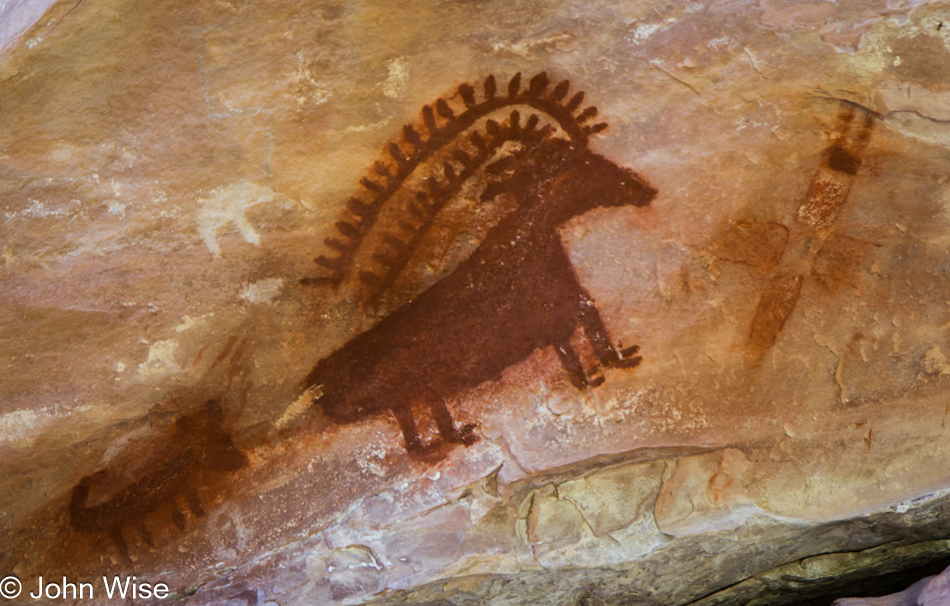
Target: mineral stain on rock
515	293
828	193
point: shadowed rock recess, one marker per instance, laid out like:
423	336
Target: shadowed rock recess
476	302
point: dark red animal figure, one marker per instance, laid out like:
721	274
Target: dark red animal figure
198	448
515	293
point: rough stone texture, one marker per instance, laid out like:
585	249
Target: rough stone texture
168	170
16	16
929	591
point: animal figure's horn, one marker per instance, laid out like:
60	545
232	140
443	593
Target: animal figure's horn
514	85
416	149
538	84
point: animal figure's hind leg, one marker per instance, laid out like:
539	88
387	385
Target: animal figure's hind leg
596	332
447	428
571	362
410	433
194	503
115	533
146	535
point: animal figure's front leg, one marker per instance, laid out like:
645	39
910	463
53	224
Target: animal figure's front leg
607	354
572	363
450	432
144	532
410	433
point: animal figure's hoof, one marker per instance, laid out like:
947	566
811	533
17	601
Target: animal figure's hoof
626	358
579	380
419	449
626	353
627	362
466	434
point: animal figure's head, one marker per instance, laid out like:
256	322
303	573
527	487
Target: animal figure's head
559	180
555	176
599	183
203	432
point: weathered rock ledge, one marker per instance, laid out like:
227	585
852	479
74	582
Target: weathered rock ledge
596	538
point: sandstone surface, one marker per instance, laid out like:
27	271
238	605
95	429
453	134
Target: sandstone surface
169	170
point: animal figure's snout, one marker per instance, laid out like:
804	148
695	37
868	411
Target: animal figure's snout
231	459
637	191
611	185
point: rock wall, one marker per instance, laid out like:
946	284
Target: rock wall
16	16
187	397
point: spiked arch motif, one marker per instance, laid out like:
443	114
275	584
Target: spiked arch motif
442	128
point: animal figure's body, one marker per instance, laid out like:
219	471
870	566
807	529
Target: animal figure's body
515	293
198	447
